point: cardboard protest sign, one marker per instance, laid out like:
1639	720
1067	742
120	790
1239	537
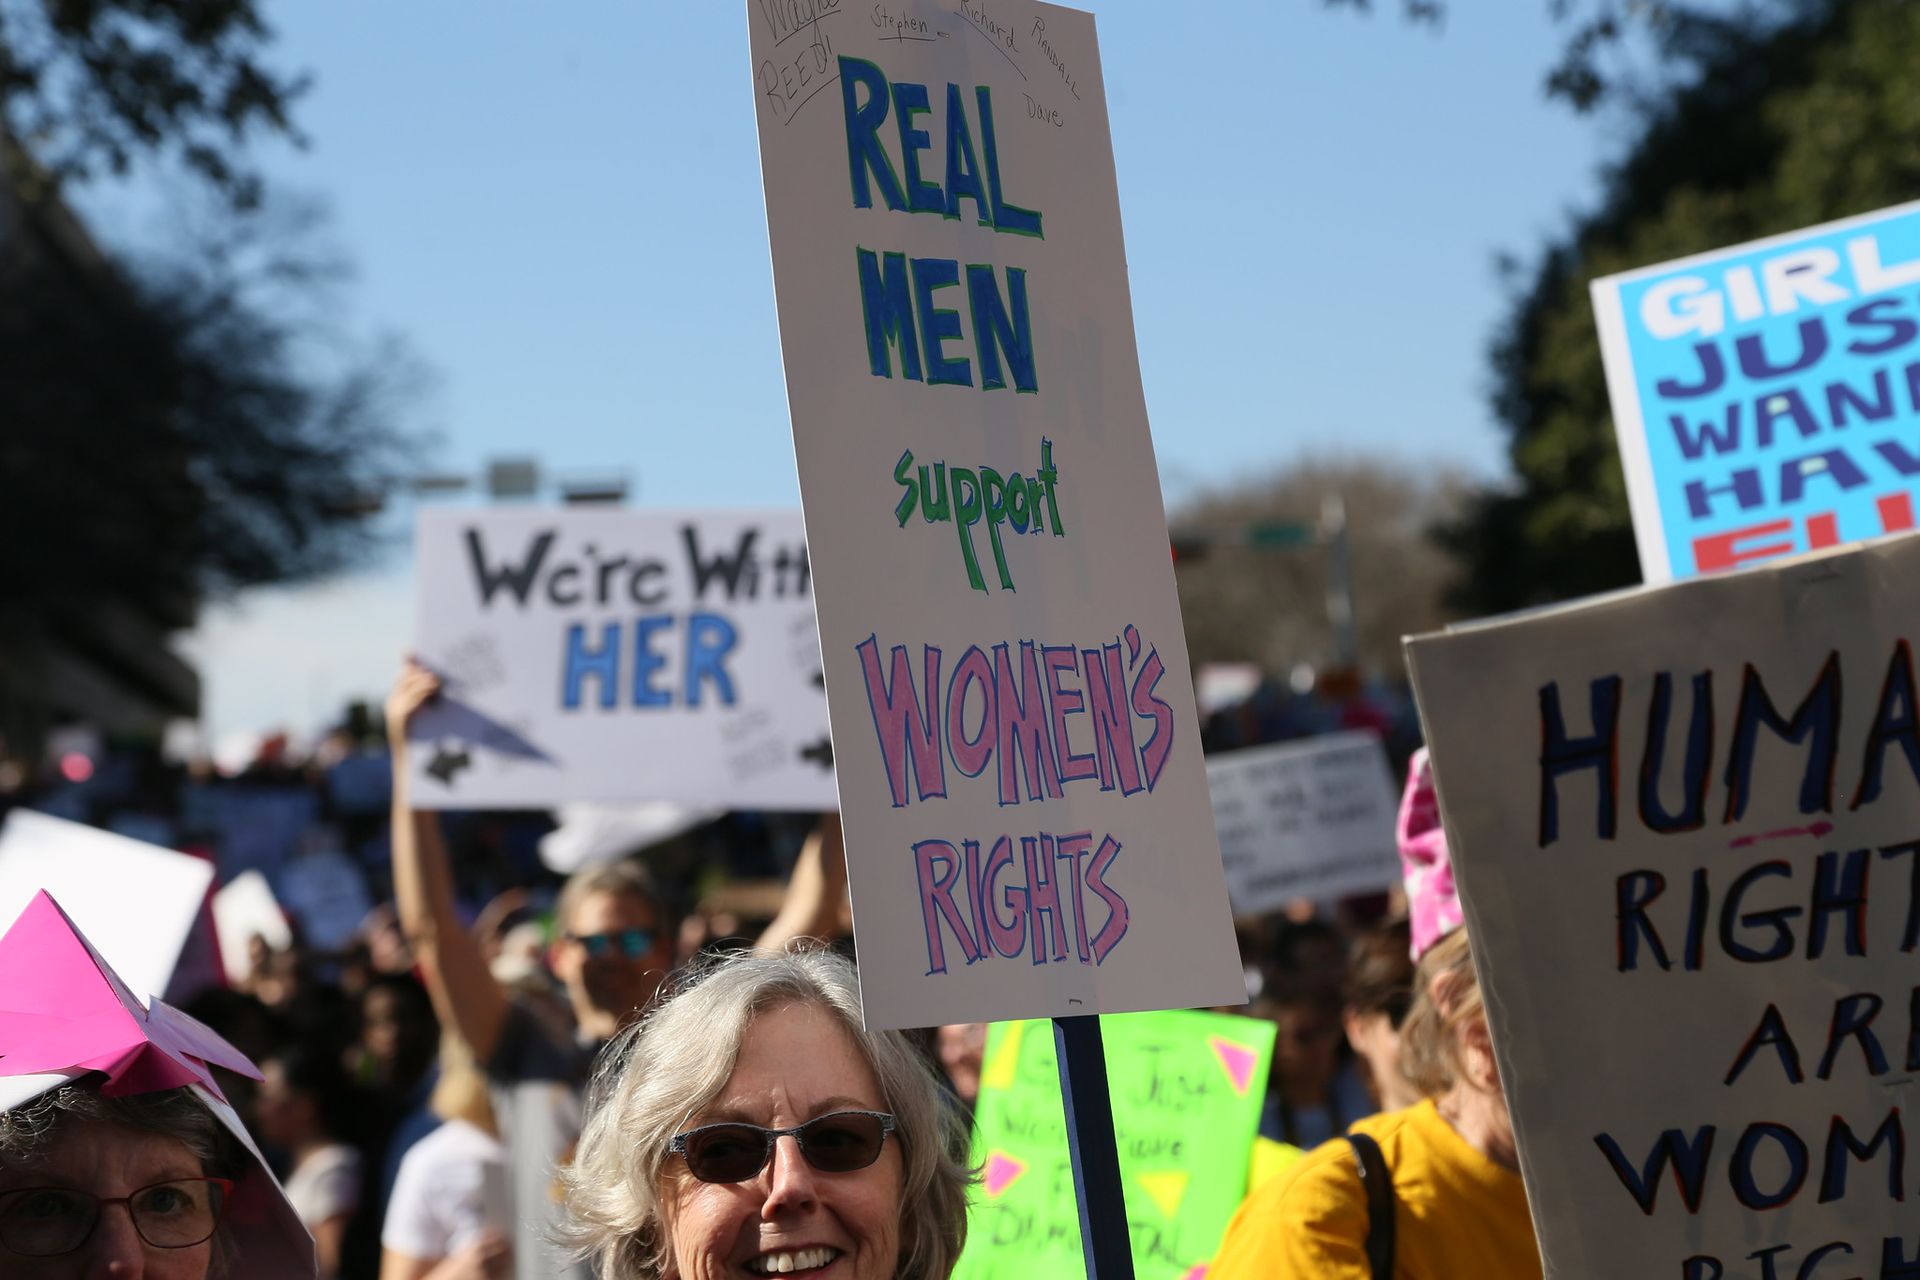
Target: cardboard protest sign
244	909
1308	819
1187	1088
1765	395
1683	821
137	901
1027	822
612	655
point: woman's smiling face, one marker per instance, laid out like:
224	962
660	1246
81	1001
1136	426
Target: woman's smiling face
796	1063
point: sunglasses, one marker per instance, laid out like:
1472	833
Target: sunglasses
45	1222
837	1143
634	944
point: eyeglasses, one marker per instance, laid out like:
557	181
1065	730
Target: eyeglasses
44	1222
634	944
837	1143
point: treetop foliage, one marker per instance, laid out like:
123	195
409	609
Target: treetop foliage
90	86
1793	114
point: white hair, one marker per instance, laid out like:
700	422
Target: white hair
662	1071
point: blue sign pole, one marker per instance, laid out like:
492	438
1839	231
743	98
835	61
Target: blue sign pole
1093	1148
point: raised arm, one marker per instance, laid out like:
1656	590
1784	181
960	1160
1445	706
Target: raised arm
464	993
815	894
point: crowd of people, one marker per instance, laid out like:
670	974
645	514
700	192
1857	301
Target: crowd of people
464	1084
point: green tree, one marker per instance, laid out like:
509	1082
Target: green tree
1811	115
88	86
167	430
176	423
171	425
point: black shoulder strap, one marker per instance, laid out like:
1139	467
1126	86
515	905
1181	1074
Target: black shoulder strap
1380	1204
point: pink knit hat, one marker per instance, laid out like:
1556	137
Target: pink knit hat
1433	904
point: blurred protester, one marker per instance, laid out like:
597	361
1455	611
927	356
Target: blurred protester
399	1036
387	947
304	1109
393	1060
816	902
1448	1200
614	947
962	1047
1379	994
1312	1095
1311	954
752	1126
447	1218
273	976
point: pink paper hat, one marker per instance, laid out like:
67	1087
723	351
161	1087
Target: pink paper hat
65	1013
1433	904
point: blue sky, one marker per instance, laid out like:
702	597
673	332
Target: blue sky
559	207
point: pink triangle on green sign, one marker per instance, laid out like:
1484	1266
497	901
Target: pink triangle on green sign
1198	1273
1002	1171
1238	1061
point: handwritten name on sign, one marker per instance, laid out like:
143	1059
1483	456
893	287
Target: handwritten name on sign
1686	827
1764	394
1017	749
619	655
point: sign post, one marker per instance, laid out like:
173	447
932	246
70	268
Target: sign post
1016	748
1186	1087
1093	1148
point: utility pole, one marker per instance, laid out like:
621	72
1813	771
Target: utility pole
1333	533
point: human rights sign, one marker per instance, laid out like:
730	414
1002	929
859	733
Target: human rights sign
611	655
1187	1088
1765	395
1018	755
1685	823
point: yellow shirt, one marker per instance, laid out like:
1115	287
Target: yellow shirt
1458	1213
1270	1160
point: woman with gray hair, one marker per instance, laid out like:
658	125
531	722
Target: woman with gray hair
749	1126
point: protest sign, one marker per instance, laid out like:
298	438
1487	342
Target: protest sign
1684	824
612	656
1308	819
1187	1089
138	901
1764	395
244	909
1027	823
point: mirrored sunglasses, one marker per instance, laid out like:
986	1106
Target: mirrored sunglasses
634	944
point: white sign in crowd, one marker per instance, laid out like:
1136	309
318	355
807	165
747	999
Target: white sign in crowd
141	901
1310	819
1685	822
614	655
1027	821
